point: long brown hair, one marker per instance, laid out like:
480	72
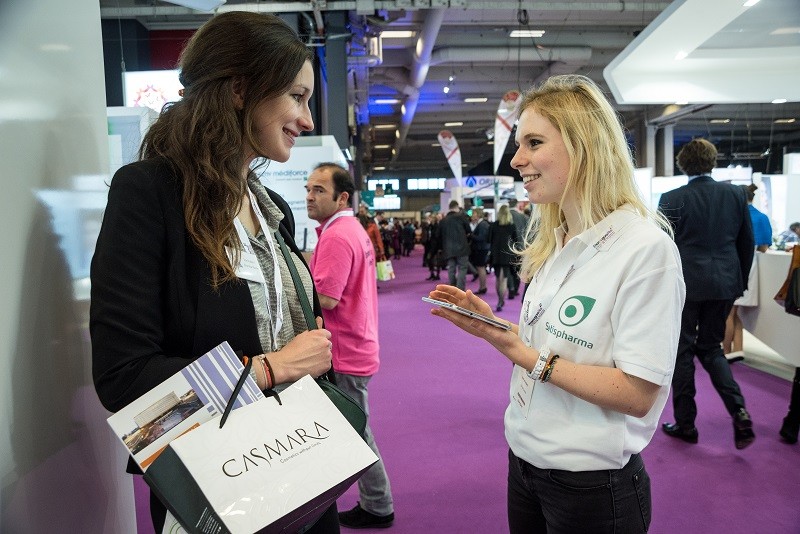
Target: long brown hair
205	137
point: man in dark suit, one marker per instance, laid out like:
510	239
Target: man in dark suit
715	239
453	237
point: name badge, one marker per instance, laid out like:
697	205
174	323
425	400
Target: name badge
248	266
522	390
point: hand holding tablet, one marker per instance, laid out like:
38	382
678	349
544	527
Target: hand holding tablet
468	313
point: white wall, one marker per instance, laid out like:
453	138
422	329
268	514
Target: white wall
61	469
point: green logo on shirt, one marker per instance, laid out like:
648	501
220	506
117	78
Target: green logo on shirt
575	309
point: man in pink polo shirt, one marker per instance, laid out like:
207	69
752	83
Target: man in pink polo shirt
343	267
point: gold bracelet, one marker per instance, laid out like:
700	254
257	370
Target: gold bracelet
549	369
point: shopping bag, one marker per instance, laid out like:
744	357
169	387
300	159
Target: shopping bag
385	271
275	466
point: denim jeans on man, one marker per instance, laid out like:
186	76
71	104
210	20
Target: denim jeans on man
459	280
552	501
374	490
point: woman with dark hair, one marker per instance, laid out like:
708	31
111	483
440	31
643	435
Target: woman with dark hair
188	255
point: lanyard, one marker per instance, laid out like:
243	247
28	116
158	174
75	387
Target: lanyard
335	216
565	271
244	240
610	229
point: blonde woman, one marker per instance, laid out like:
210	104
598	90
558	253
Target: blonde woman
595	345
502	236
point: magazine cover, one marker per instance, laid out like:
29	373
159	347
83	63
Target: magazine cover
186	400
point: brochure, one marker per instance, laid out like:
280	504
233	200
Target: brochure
189	398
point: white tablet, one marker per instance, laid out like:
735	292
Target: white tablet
468	313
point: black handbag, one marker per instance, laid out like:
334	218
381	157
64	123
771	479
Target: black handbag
351	410
792	302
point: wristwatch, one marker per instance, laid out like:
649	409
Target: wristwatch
544	355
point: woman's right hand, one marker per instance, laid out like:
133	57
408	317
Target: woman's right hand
309	353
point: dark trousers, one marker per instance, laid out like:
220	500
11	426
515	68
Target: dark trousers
702	330
327	524
551	501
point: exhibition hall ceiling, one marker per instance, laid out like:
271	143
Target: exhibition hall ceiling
401	102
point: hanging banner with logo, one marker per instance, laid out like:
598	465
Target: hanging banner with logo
451	152
503	124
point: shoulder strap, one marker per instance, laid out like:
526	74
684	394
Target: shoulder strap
298	284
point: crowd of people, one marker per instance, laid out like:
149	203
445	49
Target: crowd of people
215	260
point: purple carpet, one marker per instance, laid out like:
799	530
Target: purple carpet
437	408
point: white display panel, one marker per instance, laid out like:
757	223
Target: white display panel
150	88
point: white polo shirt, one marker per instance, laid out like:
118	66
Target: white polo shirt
621	308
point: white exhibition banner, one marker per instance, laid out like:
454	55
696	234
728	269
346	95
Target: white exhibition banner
503	124
451	152
289	180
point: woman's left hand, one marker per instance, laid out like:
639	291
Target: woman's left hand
467	299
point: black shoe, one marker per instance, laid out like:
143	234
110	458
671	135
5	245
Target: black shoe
673	430
790	430
511	295
360	518
499	308
474	277
743	434
481	291
431	277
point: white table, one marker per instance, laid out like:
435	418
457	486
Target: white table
768	322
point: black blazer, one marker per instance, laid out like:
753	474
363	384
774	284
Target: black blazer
153	310
714	237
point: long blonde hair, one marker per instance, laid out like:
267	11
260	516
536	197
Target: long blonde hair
601	165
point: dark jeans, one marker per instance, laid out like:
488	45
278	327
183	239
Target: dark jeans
552	501
702	330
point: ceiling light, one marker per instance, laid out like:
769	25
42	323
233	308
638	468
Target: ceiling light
397	34
385	126
489	142
750	3
779	101
785	31
387	100
719	121
446	89
526	33
382	146
397	134
379	168
435	144
402	109
784	121
451	78
681	55
473	100
454	124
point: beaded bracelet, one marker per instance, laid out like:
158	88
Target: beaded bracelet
549	370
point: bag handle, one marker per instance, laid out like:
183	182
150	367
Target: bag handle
311	322
248	362
308	313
